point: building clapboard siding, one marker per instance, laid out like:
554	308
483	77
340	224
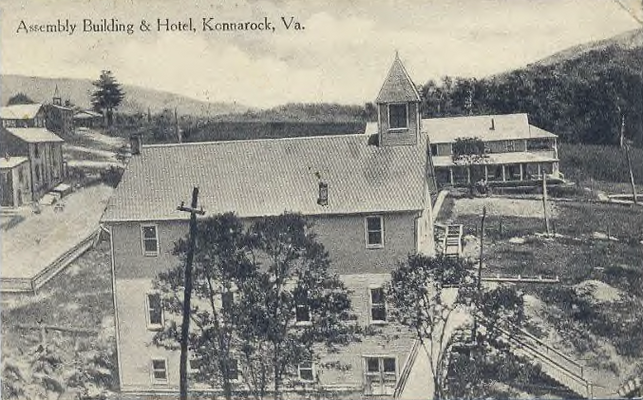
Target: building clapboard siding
23	134
16	181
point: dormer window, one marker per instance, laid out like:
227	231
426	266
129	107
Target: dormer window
398	116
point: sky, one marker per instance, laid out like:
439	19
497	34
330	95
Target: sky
342	55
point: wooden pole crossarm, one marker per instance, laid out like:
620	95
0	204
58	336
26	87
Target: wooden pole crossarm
191	210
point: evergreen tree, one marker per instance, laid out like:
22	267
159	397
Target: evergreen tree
108	95
19	98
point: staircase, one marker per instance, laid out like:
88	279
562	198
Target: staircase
406	370
553	363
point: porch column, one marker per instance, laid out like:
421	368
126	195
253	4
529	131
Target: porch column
504	177
469	175
539	175
451	176
486	173
520	165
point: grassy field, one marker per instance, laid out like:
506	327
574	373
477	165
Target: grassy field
78	298
602	163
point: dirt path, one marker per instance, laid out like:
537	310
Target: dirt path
498	206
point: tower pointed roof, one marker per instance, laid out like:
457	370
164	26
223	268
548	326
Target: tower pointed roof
56	94
398	86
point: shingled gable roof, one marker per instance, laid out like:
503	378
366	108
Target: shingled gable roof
270	176
34	135
398	85
20	111
505	127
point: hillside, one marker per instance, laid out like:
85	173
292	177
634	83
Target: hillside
581	93
631	40
137	99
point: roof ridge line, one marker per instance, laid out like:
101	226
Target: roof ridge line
477	116
214	142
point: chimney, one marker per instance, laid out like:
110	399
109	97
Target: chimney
135	144
322	200
493	125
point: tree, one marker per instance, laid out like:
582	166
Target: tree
435	296
220	265
294	284
475	374
90	372
14	379
421	302
19	98
107	96
468	152
251	286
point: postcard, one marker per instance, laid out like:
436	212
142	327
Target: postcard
343	200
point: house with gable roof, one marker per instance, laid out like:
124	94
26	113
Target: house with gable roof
368	199
23	116
23	134
516	150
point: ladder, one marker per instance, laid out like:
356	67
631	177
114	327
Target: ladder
452	241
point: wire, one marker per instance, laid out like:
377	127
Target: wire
629	11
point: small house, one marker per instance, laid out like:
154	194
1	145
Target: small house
43	149
15	181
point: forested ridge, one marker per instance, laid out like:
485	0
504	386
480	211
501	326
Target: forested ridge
581	98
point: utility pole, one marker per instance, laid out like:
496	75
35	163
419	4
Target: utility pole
627	156
479	288
176	127
546	214
187	293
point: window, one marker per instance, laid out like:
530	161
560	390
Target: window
397	116
380	375
374	232
378	305
306	372
434	149
540	144
154	311
150	240
20	175
233	369
37	173
510	145
227	300
193	365
302	313
35	151
159	370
